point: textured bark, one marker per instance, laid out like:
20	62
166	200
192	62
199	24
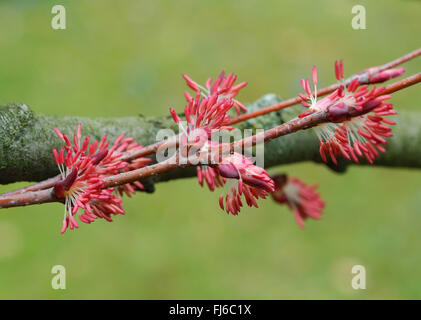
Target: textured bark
27	138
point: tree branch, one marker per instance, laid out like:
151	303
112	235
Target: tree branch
26	140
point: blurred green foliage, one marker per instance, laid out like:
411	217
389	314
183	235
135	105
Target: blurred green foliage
122	58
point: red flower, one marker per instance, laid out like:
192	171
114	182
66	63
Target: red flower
223	87
210	176
245	179
374	76
208	110
83	167
349	135
363	135
112	164
205	114
303	200
330	141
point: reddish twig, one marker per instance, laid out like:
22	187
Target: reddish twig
27	198
404	83
145	172
42	185
151	149
399	61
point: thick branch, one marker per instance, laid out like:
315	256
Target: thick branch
26	140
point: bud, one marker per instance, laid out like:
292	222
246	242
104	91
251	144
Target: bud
385	75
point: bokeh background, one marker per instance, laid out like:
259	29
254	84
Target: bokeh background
122	58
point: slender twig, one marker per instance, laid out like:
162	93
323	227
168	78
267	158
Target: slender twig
399	60
42	185
27	198
404	83
151	149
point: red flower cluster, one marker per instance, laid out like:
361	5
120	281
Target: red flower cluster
210	176
208	110
376	76
83	167
303	200
245	179
223	87
206	113
352	137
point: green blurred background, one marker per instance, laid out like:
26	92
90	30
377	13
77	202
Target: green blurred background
122	58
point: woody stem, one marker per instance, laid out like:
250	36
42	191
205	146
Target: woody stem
27	198
36	197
